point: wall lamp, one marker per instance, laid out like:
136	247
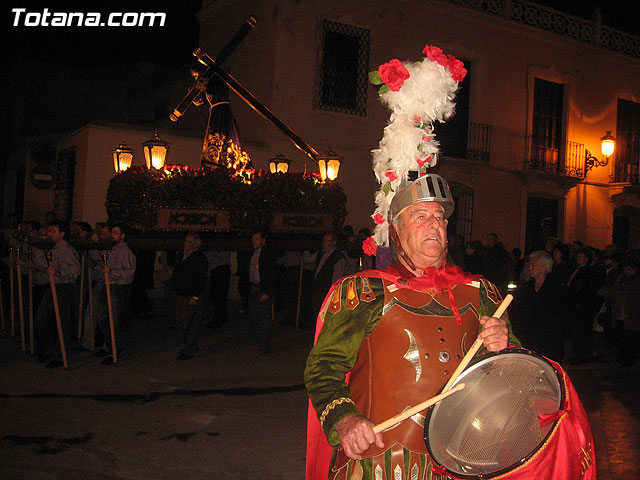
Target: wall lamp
607	146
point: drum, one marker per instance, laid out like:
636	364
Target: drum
498	421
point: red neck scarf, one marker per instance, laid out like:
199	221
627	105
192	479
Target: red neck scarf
433	278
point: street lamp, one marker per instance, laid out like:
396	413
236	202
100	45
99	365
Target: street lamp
607	147
122	157
155	152
279	164
329	164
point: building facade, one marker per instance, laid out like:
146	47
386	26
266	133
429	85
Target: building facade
522	154
543	87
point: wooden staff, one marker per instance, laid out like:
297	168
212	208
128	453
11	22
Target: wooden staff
80	312
32	347
12	306
413	410
2	308
91	327
56	309
111	325
476	345
23	340
300	273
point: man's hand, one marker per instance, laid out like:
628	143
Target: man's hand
494	335
264	297
356	434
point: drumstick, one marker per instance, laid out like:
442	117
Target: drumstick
109	307
56	309
413	410
476	345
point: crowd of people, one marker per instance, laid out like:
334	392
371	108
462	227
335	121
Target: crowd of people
563	293
101	285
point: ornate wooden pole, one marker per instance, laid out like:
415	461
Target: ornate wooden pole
56	309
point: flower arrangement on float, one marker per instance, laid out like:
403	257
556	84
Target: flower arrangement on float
250	196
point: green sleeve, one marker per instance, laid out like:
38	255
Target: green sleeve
335	354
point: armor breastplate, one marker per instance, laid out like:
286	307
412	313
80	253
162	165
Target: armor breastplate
409	356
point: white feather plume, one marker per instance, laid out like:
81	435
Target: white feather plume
408	142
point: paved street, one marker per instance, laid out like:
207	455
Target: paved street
228	413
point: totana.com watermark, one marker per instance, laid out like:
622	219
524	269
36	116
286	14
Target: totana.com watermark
45	18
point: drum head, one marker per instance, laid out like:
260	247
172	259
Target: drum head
492	425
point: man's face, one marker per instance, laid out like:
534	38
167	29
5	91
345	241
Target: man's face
328	242
54	234
104	232
581	259
490	241
422	231
189	244
257	240
116	235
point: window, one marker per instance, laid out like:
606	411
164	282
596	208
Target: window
453	135
344	69
542	222
461	220
64	183
627	153
546	145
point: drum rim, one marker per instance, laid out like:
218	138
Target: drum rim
473	364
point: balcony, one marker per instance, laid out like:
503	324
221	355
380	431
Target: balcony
566	162
626	168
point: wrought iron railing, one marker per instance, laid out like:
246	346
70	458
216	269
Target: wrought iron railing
564	24
479	142
567	161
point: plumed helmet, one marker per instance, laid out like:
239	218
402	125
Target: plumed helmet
427	188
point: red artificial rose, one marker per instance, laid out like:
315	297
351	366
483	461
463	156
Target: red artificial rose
423	160
456	67
390	174
435	54
393	74
369	246
379	219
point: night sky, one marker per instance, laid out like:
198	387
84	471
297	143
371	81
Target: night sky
171	44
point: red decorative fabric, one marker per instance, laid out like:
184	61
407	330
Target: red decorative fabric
569	452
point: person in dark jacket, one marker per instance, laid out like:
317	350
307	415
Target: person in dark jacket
188	282
539	314
262	286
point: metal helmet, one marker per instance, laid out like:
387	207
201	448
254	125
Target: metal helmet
427	188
